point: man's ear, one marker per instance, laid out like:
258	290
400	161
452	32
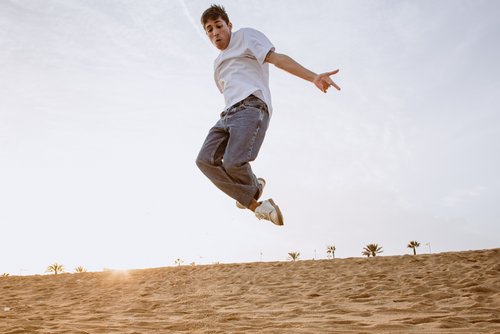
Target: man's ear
230	25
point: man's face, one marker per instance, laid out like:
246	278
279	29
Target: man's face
219	33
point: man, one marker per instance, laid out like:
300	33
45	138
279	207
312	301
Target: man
242	75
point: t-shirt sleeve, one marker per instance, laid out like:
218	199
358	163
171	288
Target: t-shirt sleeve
258	44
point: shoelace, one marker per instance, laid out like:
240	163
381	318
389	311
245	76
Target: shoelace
264	215
261	216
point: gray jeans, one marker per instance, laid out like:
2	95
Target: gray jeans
231	144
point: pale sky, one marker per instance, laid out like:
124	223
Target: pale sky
104	106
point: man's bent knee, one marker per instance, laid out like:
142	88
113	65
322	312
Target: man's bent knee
201	163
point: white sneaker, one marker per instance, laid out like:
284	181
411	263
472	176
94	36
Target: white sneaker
268	210
262	184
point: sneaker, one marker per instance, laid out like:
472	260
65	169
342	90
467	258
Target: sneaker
262	184
268	210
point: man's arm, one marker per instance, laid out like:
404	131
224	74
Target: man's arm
286	63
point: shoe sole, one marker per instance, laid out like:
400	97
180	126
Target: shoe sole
278	211
241	206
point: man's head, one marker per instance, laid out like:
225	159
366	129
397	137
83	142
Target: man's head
217	26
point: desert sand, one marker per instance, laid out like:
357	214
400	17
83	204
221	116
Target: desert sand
439	293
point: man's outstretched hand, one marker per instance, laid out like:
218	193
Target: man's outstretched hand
323	81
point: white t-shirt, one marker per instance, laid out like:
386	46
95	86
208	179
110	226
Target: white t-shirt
240	71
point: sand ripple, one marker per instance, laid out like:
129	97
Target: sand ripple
440	293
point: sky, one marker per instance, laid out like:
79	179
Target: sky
104	106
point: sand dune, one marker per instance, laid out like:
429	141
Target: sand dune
439	293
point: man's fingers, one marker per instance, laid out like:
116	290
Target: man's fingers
329	82
323	86
335	85
323	81
332	72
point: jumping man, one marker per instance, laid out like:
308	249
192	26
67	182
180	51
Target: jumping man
241	73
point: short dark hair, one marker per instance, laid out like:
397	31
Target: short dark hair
213	13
